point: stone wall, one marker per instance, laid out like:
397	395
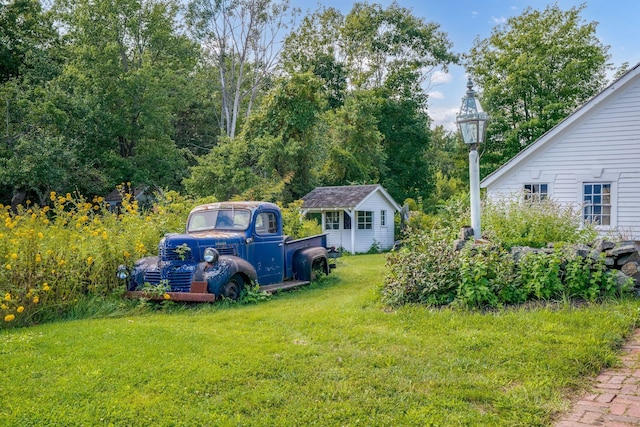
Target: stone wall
623	256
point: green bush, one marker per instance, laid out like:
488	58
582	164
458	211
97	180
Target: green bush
517	223
428	270
423	271
295	224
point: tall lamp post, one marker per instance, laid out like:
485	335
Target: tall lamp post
472	121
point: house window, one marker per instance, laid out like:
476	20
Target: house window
383	218
597	203
365	220
346	221
332	221
536	192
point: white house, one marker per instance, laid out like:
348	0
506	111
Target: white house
591	160
355	217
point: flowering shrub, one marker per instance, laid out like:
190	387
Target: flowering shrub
54	255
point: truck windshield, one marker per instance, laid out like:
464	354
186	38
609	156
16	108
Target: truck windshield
219	219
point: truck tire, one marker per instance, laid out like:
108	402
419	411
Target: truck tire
233	288
318	269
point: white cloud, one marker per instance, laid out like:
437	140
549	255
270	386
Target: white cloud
500	20
436	94
440	77
475	13
444	116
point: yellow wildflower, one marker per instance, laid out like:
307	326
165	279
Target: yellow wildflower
7	296
8	266
9	317
3	306
68	197
45	286
20	309
38	258
167	296
53	196
126	254
61	262
90	260
36	299
14	256
40	235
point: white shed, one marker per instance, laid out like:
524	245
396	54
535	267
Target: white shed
591	160
355	217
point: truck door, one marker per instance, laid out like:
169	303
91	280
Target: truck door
268	248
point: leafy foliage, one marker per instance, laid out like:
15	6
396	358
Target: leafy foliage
297	225
512	222
533	72
424	270
427	270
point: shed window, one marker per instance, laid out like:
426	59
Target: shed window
597	203
383	218
365	220
332	221
536	192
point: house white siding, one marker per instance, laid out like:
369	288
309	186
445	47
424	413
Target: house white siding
382	235
599	145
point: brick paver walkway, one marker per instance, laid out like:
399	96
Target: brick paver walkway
615	399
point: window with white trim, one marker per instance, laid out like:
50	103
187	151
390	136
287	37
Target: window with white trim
332	220
596	198
383	218
536	192
365	220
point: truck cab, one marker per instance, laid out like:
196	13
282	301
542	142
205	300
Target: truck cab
226	246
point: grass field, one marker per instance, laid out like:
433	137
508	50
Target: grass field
328	355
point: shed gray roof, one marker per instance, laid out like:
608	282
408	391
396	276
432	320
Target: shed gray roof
347	196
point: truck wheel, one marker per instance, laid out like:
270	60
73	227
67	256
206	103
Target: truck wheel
318	269
233	288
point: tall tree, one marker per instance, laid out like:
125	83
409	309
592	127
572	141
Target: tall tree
29	58
276	155
376	64
25	29
355	152
239	38
377	47
126	78
533	71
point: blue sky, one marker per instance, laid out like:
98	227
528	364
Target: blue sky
464	20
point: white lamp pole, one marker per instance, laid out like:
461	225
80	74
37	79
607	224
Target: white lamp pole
472	122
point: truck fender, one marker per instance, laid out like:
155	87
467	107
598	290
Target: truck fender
218	274
305	259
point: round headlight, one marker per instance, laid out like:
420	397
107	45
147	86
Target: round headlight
122	272
211	255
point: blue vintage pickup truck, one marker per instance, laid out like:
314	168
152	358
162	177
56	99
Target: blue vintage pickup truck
225	247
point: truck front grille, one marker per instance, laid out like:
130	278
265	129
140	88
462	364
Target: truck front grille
180	281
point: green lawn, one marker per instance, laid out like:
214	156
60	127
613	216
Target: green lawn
329	355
